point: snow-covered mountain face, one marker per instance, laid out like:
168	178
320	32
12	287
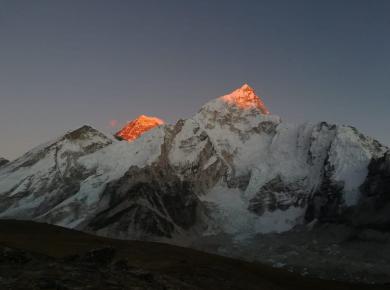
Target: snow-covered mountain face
285	173
48	175
233	168
242	168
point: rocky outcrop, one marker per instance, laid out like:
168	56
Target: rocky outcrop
146	203
327	203
191	154
373	210
3	161
278	195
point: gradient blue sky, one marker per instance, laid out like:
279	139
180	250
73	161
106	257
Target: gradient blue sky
67	63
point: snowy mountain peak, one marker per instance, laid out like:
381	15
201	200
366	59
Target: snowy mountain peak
245	98
246	87
240	102
137	127
83	132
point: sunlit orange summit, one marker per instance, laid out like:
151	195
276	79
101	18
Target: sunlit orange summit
245	98
137	127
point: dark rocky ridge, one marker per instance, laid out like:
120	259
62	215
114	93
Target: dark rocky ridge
147	201
3	161
272	196
373	210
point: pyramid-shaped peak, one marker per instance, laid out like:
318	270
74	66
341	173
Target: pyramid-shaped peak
247	88
137	127
245	98
143	118
245	91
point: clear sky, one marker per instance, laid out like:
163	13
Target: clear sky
67	63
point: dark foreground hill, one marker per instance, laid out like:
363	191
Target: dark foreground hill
42	256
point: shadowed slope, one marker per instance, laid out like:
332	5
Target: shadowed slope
160	265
